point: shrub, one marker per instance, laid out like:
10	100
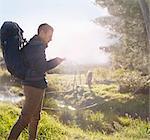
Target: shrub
132	81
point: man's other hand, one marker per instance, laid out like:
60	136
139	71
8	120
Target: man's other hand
59	60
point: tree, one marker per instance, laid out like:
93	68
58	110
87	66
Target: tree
144	5
126	21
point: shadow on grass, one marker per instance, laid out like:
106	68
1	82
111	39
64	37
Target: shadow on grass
136	107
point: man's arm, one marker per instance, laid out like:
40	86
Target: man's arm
38	61
53	63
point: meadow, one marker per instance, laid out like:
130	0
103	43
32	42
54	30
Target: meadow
101	113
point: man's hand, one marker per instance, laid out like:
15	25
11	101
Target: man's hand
54	62
59	60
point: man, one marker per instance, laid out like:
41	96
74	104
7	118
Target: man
34	83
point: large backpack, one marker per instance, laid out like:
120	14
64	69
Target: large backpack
12	42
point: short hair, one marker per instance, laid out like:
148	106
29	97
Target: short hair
45	27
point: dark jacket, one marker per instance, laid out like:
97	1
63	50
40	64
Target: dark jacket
36	64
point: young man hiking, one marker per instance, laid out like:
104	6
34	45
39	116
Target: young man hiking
35	82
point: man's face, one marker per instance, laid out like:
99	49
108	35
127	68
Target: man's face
48	36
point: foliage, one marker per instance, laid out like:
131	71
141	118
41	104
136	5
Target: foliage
126	21
132	81
4	76
117	116
102	73
113	118
52	129
49	128
64	82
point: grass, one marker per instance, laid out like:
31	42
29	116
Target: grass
52	129
136	105
16	90
63	82
4	76
49	128
116	117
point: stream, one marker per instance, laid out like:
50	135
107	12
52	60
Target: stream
7	96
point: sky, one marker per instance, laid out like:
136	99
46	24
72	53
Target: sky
76	37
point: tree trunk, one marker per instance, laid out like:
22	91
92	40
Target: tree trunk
144	5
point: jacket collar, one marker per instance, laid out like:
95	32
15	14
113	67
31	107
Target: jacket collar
36	40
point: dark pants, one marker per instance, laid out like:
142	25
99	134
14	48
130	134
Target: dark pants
30	114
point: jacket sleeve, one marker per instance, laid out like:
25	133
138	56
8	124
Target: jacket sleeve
52	63
37	60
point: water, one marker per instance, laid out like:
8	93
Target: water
7	96
10	99
63	105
